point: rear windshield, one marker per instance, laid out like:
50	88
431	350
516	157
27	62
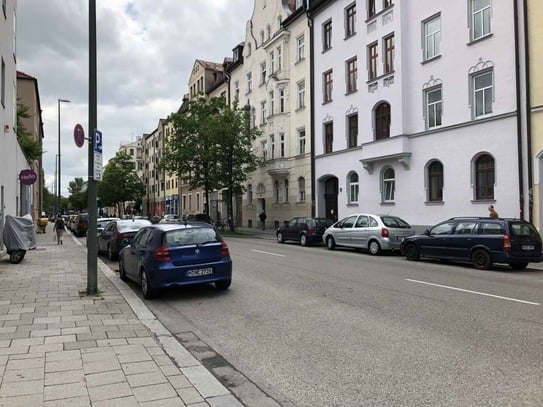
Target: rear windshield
524	229
132	226
323	222
395	222
190	236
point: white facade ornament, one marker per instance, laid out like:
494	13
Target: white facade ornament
388	81
372	87
388	17
432	82
481	66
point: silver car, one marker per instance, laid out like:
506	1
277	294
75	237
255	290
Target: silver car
368	231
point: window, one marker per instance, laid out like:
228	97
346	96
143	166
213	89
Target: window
389	54
272	102
350	20
299	3
272	62
282	145
352	122
327	35
484	177
281	100
262	73
249	194
272	146
480	18
328	137
301	94
236	90
286	190
279	58
300	41
301	141
301	188
435	182
249	82
433	107
353	188
382	121
264	147
371	8
432	38
482	94
372	61
387	3
352	71
327	86
262	112
277	194
388	185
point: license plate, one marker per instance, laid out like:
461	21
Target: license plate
528	247
199	272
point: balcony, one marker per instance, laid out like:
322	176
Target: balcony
394	148
278	167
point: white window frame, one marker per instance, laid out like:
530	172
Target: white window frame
435	108
350	20
301	141
389	185
263	112
263	73
249	77
301	188
301	94
478	19
353	188
483	91
432	39
272	62
282	145
300	48
272	146
281	100
272	102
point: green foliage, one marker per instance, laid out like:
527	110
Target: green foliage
120	182
31	147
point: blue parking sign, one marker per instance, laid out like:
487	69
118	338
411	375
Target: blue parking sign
97	141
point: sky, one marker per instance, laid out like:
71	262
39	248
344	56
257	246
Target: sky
145	52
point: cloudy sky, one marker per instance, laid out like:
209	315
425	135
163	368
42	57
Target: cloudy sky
145	49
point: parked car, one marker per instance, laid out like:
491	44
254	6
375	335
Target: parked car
169	218
117	234
199	217
101	224
304	230
80	224
368	231
166	255
481	241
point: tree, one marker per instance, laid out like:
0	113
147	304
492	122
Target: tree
78	196
30	146
211	147
120	183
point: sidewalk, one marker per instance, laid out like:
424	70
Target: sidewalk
60	348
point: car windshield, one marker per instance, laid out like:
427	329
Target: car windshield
323	222
132	225
190	236
524	229
394	222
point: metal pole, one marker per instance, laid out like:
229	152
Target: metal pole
59	172
92	261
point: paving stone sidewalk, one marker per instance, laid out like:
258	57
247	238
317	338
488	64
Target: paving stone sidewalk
61	348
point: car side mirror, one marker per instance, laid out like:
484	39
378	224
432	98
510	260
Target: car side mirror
427	232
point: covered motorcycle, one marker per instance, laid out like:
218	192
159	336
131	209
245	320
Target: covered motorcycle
19	236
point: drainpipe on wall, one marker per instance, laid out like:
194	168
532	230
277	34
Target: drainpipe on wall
312	112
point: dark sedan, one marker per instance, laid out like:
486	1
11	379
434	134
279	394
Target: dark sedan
117	234
304	230
167	255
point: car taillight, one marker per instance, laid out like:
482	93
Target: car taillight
312	230
384	232
506	244
121	237
162	254
224	249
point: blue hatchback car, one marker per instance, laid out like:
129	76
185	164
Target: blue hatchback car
168	255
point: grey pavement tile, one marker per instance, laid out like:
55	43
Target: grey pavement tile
60	313
63	355
170	370
28	310
22	401
47	320
45	332
22	388
121	334
74	318
61	326
105	354
173	402
148	342
116	321
10	317
163	360
101	366
71	402
3	360
50	347
145	379
78	330
94	336
110	392
64	391
37	362
111	342
15	335
5	343
155	350
143	333
69	376
179	381
141	356
204	381
63	365
7	329
80	344
99	379
23	375
154	392
60	339
127	349
139	367
223	401
189	395
119	402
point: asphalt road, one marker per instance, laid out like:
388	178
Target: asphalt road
304	326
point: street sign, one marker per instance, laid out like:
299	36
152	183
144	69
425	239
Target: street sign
97	176
79	135
27	177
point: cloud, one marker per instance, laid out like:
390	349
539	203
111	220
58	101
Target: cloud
145	53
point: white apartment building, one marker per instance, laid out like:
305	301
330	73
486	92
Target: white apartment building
415	109
273	82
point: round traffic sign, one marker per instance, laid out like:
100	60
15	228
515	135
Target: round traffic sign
79	135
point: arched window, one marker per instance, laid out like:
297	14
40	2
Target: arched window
249	194
484	177
286	190
435	182
389	185
382	121
277	191
353	188
301	188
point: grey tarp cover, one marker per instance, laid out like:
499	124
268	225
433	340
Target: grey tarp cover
19	233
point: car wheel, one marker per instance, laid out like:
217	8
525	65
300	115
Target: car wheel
518	266
146	289
280	237
110	253
303	240
374	247
330	243
411	252
481	259
122	271
223	284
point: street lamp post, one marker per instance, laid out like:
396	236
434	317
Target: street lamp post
59	172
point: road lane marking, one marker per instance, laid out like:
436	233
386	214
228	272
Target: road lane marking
271	254
474	292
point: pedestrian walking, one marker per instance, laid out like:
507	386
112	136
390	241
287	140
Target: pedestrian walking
262	217
492	212
59	228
